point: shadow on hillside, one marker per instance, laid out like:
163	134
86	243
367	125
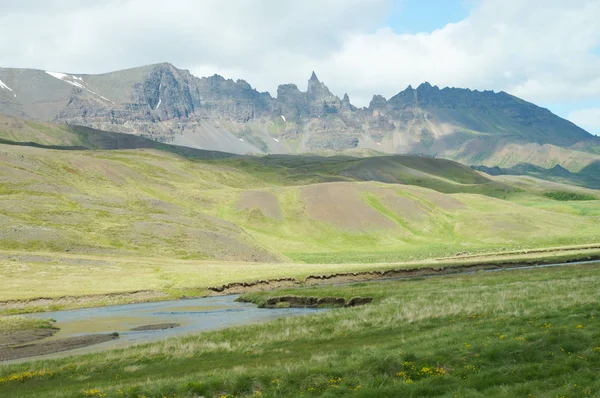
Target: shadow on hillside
36	145
109	141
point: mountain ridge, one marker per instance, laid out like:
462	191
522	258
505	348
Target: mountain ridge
171	105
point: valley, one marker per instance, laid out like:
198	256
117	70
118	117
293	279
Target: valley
299	199
95	222
86	212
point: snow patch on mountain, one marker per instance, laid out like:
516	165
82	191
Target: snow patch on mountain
75	81
2	85
72	80
106	99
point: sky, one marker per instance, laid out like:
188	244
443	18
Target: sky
544	51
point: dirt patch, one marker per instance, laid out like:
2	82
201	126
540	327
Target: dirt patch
346	277
444	201
213	240
257	286
357	301
349	277
340	203
53	346
14	337
315	302
264	201
160	326
400	205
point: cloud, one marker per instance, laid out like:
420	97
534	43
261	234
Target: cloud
98	36
541	50
588	119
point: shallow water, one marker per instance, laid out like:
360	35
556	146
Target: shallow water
193	315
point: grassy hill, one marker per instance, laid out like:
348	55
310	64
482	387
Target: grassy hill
159	200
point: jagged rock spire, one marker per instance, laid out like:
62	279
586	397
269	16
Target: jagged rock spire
316	88
346	102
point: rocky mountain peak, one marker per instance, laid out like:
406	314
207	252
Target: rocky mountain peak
377	102
426	86
314	77
315	87
346	105
172	105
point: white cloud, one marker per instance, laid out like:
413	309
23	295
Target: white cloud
541	50
588	119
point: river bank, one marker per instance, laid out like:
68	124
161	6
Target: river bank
131	320
342	273
88	330
506	333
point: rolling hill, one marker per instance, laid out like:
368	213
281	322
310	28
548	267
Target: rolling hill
140	197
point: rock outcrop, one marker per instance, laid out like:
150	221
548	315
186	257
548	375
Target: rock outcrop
171	105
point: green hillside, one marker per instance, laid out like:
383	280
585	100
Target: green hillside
209	205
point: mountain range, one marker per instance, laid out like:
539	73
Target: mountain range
170	105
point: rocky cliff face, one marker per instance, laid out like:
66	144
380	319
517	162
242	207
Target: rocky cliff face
171	105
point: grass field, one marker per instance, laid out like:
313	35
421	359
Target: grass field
481	335
47	282
164	224
150	203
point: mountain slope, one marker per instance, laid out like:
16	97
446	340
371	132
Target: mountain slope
159	204
170	105
157	201
16	131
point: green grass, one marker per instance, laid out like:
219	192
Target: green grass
11	323
567	196
74	281
148	203
481	335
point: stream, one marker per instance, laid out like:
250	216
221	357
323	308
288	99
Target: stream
192	315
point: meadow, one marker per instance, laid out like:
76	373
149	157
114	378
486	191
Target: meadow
99	227
492	334
73	281
149	203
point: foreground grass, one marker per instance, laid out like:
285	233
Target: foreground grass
518	333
